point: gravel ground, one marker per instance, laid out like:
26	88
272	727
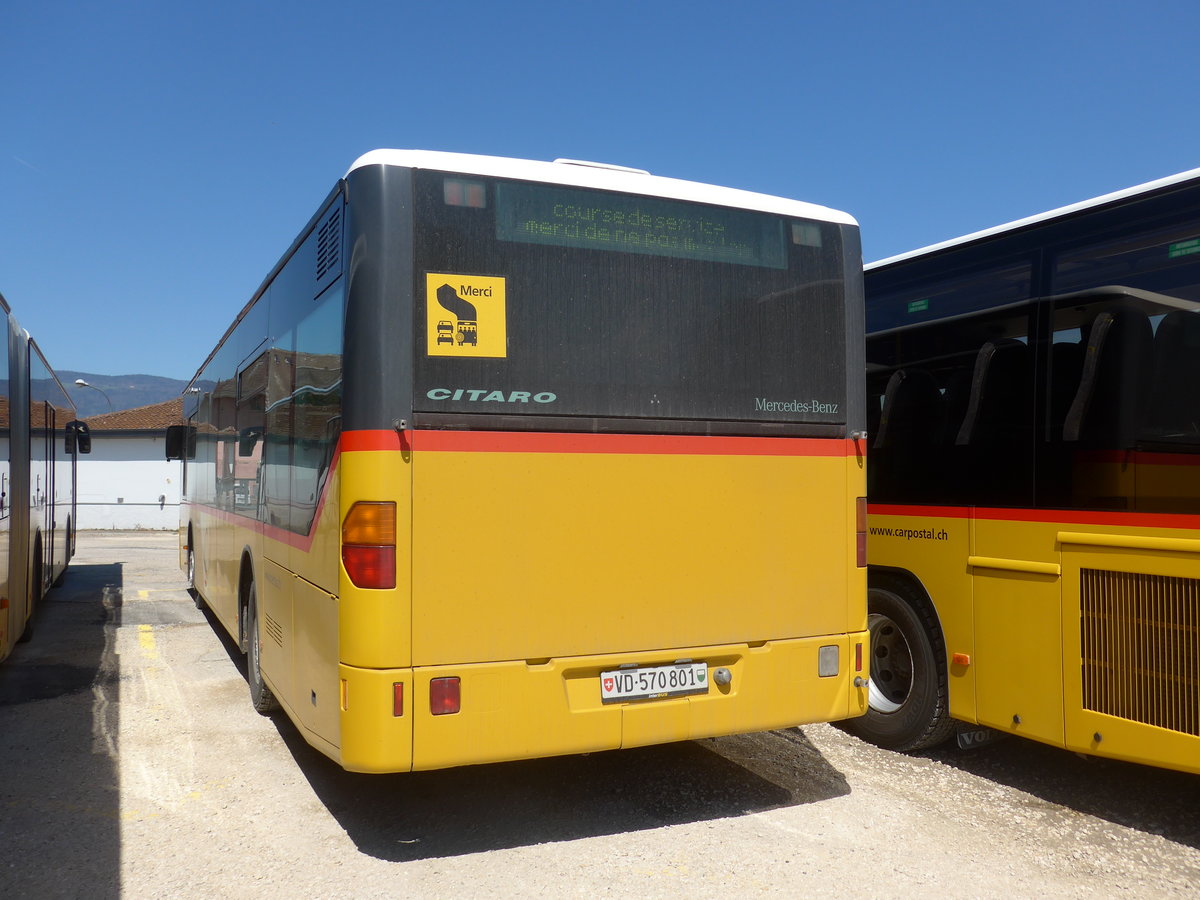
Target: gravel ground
131	765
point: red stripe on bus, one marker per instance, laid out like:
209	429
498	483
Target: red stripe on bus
274	532
1042	516
536	442
383	439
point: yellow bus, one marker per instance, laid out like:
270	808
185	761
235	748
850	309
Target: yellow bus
40	439
1034	527
507	459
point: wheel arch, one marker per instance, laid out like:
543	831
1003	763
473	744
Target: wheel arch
910	587
245	579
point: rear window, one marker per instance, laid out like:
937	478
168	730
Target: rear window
546	300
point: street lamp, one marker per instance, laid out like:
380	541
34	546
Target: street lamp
79	382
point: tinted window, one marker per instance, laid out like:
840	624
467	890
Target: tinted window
1125	374
953	412
523	310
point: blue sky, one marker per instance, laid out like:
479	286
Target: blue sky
156	158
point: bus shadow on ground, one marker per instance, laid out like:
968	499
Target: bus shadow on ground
474	809
59	708
1148	799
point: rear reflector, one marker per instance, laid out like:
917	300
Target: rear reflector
398	699
828	661
858	657
444	696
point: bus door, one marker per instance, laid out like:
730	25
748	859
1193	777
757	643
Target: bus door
1014	562
1018	606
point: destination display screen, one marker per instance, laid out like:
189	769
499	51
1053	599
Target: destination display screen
566	217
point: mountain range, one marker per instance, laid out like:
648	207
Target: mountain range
119	391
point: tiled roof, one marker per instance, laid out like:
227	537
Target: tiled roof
143	418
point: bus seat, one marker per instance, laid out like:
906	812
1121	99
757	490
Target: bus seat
998	406
1173	402
1066	368
913	411
958	399
1112	386
905	463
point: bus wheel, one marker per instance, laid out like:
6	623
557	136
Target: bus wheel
191	574
70	549
260	695
35	592
908	708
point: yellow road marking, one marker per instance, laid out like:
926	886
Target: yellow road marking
146	640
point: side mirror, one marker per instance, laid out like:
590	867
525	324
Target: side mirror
79	437
181	442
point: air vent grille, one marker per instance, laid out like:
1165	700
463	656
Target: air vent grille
273	629
329	245
1141	648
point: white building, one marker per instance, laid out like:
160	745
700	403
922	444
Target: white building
126	482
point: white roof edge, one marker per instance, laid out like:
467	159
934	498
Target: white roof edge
1041	217
604	178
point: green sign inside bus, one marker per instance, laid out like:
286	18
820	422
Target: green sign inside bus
1183	248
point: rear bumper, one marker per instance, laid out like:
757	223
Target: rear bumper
527	709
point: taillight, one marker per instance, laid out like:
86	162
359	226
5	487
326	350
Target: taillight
860	530
444	696
369	544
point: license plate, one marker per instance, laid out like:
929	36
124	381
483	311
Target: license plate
654	682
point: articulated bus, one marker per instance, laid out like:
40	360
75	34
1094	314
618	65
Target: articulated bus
1034	524
39	439
507	459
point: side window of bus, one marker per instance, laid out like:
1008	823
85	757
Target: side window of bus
956	411
1125	415
317	398
225	421
1125	370
251	423
303	403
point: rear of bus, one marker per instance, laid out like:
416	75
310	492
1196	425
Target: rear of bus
599	469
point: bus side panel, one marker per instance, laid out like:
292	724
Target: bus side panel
274	592
316	557
931	544
315	679
520	555
1131	627
1018	638
374	625
214	538
9	605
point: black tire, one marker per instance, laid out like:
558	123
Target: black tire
35	593
909	707
191	574
260	695
70	551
